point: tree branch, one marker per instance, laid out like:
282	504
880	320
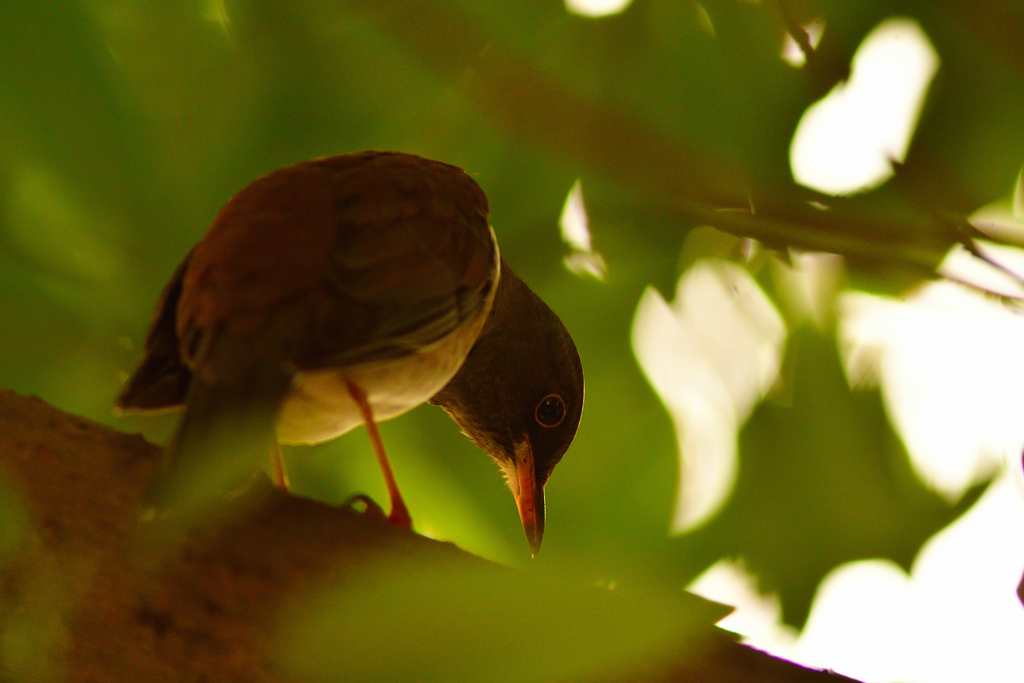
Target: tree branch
91	593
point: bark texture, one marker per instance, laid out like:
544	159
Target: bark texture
92	592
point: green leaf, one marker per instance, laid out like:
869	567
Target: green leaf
459	621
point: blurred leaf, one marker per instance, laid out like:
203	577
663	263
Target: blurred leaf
458	622
50	229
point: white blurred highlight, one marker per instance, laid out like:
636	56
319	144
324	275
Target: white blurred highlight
862	614
963	266
949	364
596	8
954	619
808	286
576	233
711	355
951	371
757	616
845	142
791	52
1004	220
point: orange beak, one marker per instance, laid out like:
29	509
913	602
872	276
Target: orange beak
529	496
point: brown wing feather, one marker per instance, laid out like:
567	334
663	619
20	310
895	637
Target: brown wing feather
414	256
332	262
162	379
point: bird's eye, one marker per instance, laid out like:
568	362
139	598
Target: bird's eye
550	411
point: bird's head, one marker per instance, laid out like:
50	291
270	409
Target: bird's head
519	395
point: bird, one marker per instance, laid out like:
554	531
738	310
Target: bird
345	291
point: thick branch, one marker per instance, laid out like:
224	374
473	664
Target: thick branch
94	594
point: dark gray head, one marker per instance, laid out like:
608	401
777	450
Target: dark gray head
519	394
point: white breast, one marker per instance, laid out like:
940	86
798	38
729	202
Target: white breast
319	406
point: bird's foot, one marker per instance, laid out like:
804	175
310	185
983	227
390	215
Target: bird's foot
400	515
363	504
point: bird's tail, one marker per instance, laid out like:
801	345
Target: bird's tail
223	438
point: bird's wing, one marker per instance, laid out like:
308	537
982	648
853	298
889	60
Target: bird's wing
162	379
340	261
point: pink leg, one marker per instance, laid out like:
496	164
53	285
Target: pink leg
399	514
280	477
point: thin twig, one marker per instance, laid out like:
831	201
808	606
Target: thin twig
972	248
1014	303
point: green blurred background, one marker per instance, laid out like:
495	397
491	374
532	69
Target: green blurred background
126	124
